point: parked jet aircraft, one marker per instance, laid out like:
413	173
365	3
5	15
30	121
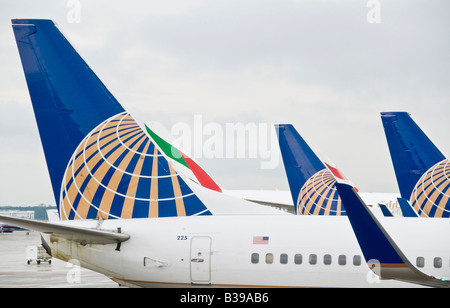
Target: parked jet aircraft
126	213
422	171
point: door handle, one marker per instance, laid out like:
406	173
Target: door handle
197	260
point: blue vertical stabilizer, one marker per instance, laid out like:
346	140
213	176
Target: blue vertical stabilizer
102	164
412	152
68	98
300	161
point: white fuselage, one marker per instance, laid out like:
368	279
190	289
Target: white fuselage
302	251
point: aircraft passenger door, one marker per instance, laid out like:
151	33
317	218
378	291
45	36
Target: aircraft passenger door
201	260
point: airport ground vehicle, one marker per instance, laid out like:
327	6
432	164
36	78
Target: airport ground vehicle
38	254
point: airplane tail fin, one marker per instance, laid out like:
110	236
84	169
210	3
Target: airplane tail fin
412	152
101	163
311	184
422	171
381	252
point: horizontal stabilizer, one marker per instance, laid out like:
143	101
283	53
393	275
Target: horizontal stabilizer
78	234
69	100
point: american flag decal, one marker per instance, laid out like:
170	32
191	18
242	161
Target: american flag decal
261	240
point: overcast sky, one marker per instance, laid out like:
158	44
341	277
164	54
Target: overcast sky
319	65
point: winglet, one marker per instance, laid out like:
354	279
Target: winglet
384	209
406	208
382	254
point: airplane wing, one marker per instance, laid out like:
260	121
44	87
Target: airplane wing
284	207
78	234
382	254
307	176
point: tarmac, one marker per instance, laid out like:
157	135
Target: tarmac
16	273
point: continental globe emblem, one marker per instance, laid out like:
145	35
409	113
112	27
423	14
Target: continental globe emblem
430	197
319	196
118	172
